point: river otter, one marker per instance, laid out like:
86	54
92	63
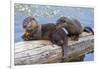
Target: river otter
47	31
32	29
60	38
73	27
56	36
36	31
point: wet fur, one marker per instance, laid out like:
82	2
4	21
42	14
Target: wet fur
73	26
48	32
60	38
32	29
35	31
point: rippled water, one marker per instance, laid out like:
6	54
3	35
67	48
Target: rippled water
84	15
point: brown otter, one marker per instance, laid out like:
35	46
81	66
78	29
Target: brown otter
36	31
47	31
32	29
73	26
60	38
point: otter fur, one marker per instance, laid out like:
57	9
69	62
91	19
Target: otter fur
60	38
73	26
32	29
47	31
36	31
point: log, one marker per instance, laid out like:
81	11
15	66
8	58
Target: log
43	51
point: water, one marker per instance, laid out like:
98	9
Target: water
89	57
84	15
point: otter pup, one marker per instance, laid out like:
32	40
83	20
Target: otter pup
35	31
73	27
32	29
60	38
47	31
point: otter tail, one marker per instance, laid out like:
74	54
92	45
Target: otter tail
89	30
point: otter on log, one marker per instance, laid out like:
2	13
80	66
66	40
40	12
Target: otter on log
36	31
47	31
73	27
60	38
32	29
57	34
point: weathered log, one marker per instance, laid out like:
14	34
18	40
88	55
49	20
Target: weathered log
43	51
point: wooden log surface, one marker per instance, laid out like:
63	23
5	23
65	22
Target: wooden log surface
43	51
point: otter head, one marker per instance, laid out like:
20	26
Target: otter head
62	22
30	23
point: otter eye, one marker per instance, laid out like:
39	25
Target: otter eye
24	25
63	21
33	19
